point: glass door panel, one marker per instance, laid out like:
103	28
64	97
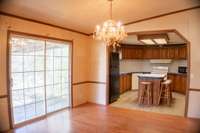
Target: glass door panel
40	76
25	78
58	67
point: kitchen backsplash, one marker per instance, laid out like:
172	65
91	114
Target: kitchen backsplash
146	66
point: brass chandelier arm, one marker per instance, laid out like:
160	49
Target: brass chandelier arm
110	31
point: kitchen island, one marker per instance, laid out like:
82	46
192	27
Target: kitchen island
156	80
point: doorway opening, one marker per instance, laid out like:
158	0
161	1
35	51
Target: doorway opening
141	62
39	75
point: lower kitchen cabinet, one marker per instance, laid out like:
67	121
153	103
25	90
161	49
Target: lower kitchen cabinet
179	82
125	82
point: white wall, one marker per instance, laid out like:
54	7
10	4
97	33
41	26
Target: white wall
97	72
146	65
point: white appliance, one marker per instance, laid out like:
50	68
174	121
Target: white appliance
160	70
135	81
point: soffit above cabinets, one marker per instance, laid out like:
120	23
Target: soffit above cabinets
83	15
172	38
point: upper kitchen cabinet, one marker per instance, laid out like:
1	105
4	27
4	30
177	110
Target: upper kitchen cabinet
182	52
154	45
132	52
154	52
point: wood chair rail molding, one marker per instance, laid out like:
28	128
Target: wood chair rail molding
3	96
194	89
86	82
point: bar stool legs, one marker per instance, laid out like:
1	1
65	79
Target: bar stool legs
149	95
165	92
141	96
146	92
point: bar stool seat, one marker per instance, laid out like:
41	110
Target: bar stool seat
166	92
145	92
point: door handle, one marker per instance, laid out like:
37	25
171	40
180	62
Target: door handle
11	82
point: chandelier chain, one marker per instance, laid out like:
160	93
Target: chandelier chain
111	8
110	31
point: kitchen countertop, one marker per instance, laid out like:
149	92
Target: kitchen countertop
176	73
121	73
152	75
184	74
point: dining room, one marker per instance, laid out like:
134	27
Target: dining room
89	66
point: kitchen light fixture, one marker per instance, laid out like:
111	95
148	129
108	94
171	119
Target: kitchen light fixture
147	41
160	41
154	39
111	32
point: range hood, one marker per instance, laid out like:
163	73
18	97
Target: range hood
160	61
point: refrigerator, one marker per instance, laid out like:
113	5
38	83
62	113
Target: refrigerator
114	77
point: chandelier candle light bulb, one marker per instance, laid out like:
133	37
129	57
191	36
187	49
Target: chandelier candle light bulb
111	32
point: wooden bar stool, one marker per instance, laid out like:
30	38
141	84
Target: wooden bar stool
146	92
165	92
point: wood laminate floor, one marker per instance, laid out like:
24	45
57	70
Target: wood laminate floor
92	118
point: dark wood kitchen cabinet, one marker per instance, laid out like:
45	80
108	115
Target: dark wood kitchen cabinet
182	52
132	52
154	52
179	82
125	82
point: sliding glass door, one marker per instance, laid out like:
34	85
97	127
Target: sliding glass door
40	76
57	76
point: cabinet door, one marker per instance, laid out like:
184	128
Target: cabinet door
163	53
171	53
184	84
155	53
129	82
123	53
183	52
176	53
121	84
128	53
147	53
132	53
139	53
124	83
180	83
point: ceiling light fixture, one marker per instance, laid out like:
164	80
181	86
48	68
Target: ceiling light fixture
154	39
160	40
148	41
111	32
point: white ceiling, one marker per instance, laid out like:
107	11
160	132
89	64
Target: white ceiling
174	38
83	15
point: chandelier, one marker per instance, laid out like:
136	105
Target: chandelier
111	32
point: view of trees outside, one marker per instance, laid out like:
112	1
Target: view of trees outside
40	72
